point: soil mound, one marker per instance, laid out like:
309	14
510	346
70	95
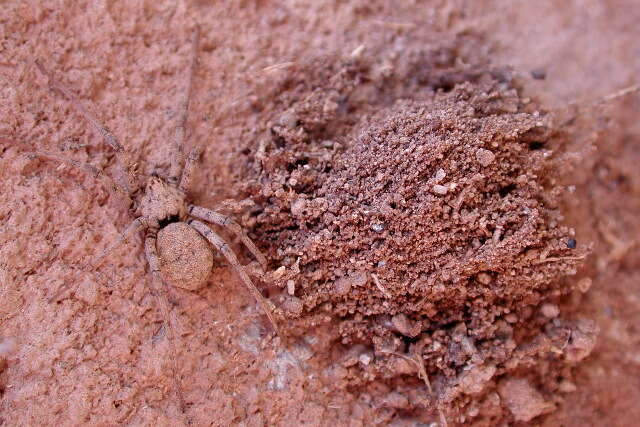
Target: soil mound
422	219
437	206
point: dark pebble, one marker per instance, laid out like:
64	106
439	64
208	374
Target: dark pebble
539	74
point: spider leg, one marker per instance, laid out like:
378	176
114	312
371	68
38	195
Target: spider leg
181	128
160	293
131	183
228	222
223	247
189	168
186	293
135	225
114	188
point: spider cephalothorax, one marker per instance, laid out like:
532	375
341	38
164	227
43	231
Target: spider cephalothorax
177	240
161	203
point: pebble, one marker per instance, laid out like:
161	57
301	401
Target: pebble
485	157
288	119
298	207
484	278
440	175
396	400
583	340
343	285
567	386
511	318
539	74
475	380
550	311
584	284
378	227
405	326
524	401
293	305
440	189
365	359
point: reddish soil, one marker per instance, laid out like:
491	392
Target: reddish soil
455	218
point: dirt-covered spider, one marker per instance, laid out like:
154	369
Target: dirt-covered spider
176	236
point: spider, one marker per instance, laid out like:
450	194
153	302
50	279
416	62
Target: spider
177	239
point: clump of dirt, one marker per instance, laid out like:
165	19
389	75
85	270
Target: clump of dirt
423	219
437	206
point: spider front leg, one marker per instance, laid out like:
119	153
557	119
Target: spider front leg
223	247
130	183
114	188
189	169
181	128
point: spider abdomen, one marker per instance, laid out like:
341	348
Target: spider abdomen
185	256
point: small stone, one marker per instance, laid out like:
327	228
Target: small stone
539	74
88	292
291	287
567	386
484	278
572	243
279	272
511	318
440	189
298	207
584	284
288	119
343	285
485	157
401	366
582	341
475	379
349	361
396	400
293	305
405	326
440	175
359	278
473	411
365	359
550	311
524	401
330	106
378	227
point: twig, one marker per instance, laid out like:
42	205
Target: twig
380	287
277	67
422	374
557	259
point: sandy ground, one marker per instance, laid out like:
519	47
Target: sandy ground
101	356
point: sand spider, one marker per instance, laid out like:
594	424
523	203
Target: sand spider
176	238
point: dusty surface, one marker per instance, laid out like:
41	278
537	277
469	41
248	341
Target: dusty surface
101	356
